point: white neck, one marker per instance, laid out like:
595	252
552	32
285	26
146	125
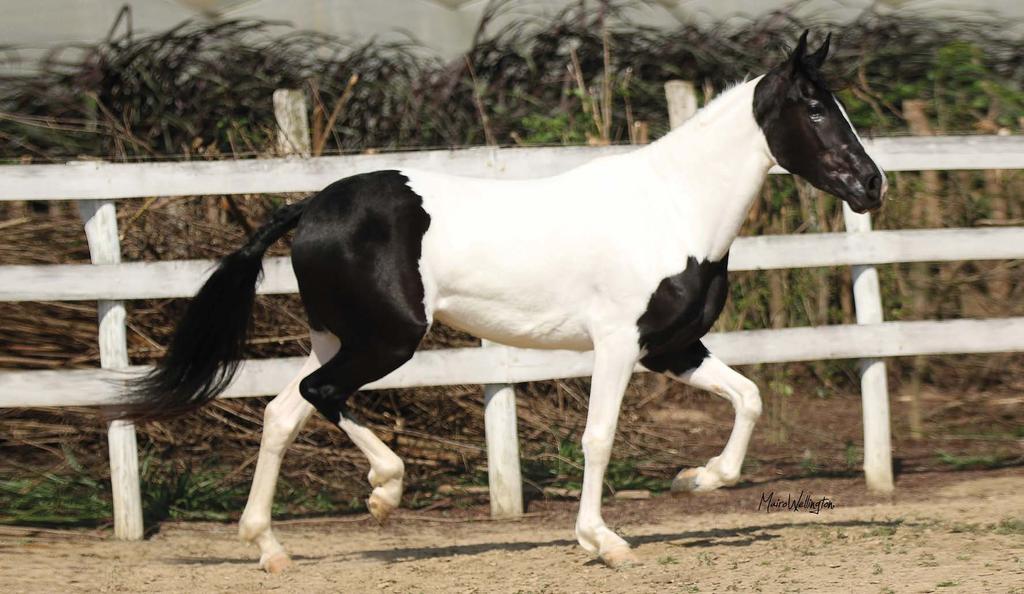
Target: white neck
715	164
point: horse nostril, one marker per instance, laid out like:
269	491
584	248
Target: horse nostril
875	184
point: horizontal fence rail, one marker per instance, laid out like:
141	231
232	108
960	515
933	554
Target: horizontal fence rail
506	365
97	179
182	278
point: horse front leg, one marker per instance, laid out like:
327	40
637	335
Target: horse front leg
613	365
713	375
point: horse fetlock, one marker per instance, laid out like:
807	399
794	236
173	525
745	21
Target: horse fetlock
384	499
729	477
390	490
698	480
389	472
727	474
586	535
596	538
249	528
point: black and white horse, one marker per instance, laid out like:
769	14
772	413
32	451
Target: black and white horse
625	255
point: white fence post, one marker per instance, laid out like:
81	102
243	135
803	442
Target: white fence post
292	123
100	219
503	475
681	97
874	387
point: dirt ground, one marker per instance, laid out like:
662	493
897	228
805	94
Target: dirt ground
940	532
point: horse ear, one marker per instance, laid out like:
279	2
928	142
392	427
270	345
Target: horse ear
818	57
796	58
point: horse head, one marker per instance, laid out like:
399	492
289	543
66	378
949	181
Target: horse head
809	133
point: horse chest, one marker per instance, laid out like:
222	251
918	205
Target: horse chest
680	311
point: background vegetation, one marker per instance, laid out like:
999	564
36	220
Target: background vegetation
201	91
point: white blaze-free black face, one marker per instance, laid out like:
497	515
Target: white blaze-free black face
809	134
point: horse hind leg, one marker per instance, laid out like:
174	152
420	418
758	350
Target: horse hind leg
329	388
386	469
283	418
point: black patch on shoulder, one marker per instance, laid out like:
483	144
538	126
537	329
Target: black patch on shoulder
682	310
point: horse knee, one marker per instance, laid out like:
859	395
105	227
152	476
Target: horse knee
597	444
749	403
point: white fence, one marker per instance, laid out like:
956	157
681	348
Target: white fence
110	282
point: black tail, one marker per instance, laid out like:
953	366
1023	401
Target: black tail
209	340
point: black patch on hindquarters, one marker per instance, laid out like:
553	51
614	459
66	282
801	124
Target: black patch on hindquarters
356	256
680	311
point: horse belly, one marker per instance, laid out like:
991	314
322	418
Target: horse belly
523	325
519	296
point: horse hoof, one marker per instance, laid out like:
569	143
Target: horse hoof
276	563
686	482
620	558
379	509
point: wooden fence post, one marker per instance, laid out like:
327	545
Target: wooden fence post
100	219
503	474
292	123
874	386
681	97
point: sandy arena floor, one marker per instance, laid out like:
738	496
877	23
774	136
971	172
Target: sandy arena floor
960	532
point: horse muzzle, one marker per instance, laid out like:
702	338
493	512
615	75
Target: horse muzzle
864	193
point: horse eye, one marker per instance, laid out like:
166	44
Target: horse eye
815	110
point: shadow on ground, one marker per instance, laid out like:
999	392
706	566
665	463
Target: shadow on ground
738	537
